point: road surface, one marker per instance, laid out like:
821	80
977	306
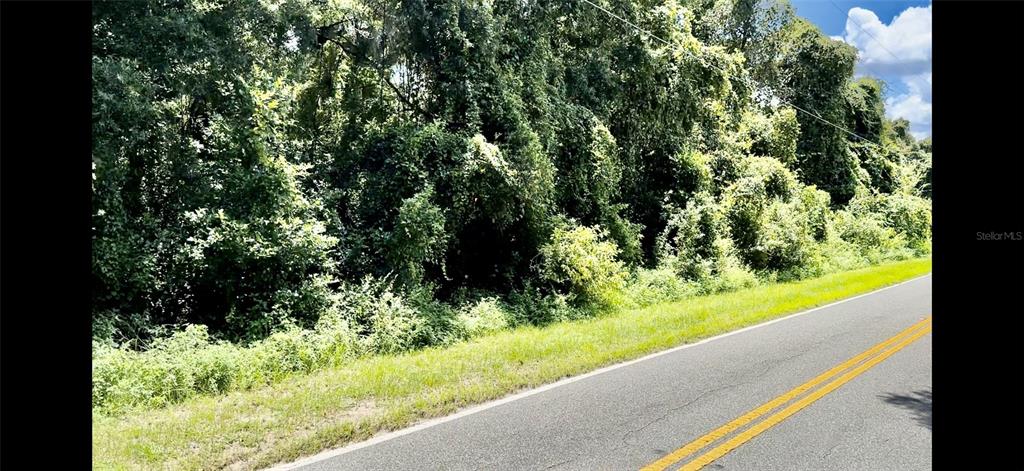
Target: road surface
877	418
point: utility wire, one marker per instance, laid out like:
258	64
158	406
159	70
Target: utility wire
861	28
749	83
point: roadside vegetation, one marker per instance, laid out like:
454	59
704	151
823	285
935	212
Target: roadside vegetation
291	196
308	413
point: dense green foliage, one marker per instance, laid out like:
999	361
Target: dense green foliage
302	181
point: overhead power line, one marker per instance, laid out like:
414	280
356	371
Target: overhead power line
861	28
749	82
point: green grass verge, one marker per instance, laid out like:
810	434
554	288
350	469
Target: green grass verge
307	414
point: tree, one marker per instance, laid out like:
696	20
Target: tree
197	212
817	70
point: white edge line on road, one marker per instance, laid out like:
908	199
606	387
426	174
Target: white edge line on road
497	402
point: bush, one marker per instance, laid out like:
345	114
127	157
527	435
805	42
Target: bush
772	218
383	320
731	273
284	352
785	241
907	216
777	180
688	243
911	216
418	237
530	306
188	363
440	321
625	234
867	232
725	169
483	317
167	373
580	262
743	204
394	327
367	318
254	275
335	338
883	173
838	255
774	136
815	204
658	285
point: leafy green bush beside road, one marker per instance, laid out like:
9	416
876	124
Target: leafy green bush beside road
374	317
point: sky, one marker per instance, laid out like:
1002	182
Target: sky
894	43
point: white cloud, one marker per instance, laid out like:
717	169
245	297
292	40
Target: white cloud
920	84
915	105
902	48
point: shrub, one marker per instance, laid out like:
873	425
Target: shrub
530	306
785	241
335	338
772	218
253	275
815	204
274	358
775	136
743	205
625	234
732	275
418	237
688	243
173	369
393	328
883	172
838	255
907	216
579	261
383	319
188	363
911	216
657	285
440	321
778	181
867	232
483	317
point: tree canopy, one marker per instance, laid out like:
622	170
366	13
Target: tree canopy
253	157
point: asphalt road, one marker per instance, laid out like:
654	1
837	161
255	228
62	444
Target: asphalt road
629	417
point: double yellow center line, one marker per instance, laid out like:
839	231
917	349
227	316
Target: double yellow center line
872	357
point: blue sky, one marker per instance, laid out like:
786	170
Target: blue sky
893	39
